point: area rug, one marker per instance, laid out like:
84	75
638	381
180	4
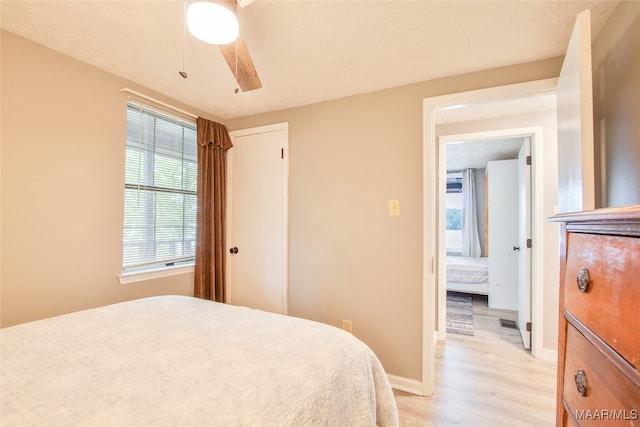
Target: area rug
459	313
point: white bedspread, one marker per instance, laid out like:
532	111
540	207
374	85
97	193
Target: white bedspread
467	269
181	361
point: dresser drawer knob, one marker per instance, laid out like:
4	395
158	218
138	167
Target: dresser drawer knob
581	382
583	280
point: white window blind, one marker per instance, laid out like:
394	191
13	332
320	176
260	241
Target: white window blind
160	190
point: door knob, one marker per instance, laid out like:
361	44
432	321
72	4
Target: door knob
516	248
233	250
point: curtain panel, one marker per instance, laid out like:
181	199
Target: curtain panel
210	262
470	237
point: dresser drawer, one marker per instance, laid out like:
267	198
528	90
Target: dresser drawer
609	394
609	266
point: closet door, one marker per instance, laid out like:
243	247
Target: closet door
503	234
257	218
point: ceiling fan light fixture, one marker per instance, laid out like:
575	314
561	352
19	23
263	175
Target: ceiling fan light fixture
212	23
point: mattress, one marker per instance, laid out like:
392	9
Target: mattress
182	361
468	274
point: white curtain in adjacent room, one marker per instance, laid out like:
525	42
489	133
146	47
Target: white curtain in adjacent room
470	237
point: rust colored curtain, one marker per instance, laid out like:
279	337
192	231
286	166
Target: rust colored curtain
210	268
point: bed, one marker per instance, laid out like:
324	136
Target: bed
182	361
468	274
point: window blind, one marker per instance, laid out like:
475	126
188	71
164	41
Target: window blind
161	174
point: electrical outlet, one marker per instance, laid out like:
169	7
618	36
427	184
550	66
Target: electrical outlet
347	325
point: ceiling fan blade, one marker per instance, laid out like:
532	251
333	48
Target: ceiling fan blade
247	76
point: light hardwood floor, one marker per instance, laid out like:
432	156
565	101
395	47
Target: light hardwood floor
485	380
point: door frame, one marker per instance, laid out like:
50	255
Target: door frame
533	132
276	127
431	202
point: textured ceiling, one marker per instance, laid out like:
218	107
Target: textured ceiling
475	154
304	51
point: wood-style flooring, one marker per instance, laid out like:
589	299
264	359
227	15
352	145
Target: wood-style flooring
485	380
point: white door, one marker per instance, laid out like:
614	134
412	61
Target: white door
524	254
576	181
503	234
257	218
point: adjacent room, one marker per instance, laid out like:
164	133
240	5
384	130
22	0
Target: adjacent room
262	227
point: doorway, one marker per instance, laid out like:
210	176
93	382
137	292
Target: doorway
500	270
544	193
257	218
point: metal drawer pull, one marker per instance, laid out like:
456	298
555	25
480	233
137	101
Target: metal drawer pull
583	280
581	382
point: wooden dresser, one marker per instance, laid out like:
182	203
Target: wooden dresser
599	335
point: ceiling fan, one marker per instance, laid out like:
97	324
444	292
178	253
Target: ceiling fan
217	23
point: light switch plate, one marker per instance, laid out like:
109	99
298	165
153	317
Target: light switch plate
394	207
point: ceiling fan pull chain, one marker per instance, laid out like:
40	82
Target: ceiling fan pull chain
236	46
182	72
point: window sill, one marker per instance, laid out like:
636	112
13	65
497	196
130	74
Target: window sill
141	276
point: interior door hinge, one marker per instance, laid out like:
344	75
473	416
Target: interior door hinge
528	326
529	243
528	160
282	153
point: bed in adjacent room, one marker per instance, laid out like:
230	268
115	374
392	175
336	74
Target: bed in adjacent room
175	360
468	274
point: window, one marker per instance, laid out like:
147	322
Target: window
454	216
161	175
454	213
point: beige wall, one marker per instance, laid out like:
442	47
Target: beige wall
63	132
348	259
63	141
547	161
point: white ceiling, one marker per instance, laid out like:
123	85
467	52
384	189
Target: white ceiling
304	51
475	154
491	110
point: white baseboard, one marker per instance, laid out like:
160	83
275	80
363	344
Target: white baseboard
405	384
550	355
